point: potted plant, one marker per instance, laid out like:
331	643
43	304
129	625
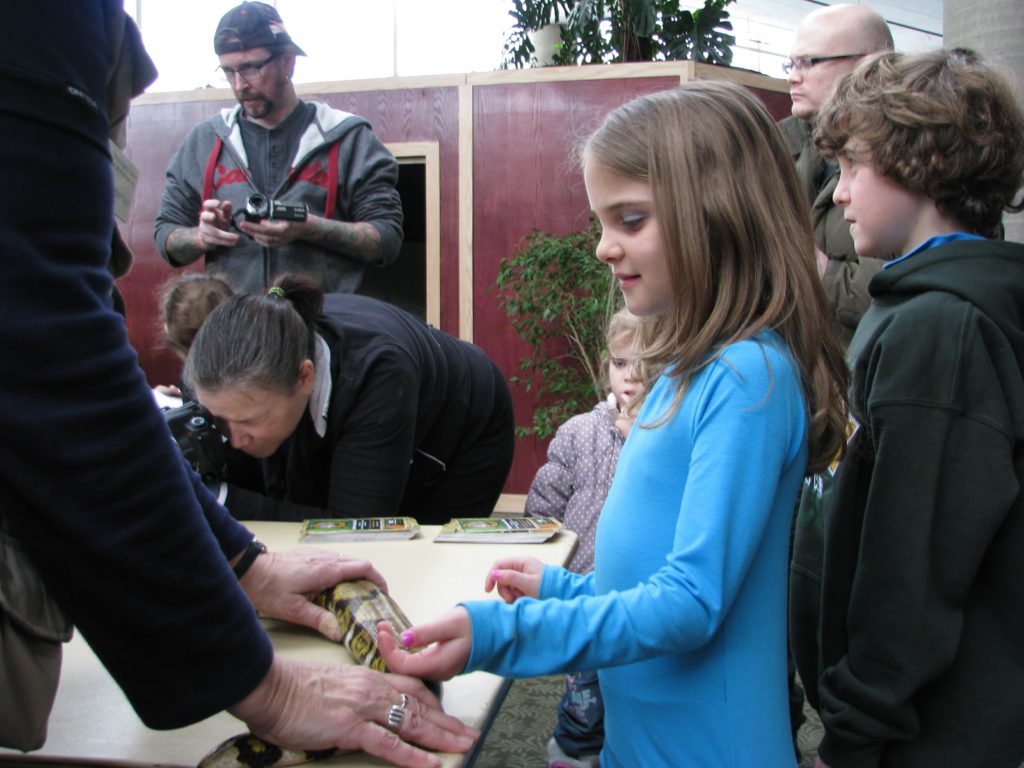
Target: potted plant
559	297
611	31
530	17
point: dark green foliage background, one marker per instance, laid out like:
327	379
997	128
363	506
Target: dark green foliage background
559	297
612	31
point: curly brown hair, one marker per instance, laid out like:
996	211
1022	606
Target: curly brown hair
943	123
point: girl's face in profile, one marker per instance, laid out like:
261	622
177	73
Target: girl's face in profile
258	420
630	239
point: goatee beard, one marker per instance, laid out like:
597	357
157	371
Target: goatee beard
259	109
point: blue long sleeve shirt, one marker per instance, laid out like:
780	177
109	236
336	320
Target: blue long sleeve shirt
685	612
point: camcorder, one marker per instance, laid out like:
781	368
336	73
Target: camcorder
258	207
201	443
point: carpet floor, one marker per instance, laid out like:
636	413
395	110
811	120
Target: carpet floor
519	736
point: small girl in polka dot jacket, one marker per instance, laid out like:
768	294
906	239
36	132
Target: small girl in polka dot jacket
572	486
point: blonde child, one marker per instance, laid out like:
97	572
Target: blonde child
572	486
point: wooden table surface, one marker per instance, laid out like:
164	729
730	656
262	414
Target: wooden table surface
93	723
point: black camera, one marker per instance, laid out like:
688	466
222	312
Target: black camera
259	207
202	445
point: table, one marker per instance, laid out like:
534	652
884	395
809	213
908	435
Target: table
93	723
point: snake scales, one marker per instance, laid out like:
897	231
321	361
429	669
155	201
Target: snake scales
358	605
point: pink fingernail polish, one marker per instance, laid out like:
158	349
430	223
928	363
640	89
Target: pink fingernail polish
495	575
408	638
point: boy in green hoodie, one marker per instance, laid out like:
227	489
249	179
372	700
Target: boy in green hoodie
907	598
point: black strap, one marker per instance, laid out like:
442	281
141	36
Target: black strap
254	550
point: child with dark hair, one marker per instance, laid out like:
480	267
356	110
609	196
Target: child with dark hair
184	303
908	595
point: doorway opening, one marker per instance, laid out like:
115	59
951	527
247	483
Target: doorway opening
412	282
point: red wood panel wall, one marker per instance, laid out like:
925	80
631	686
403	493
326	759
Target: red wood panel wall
154	133
778	103
422	114
523	179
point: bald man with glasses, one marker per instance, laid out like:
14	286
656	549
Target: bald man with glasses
335	179
829	42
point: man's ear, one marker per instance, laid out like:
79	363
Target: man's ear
289	64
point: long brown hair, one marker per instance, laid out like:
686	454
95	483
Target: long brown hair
736	230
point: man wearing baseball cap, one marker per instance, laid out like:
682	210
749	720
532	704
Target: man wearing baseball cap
277	184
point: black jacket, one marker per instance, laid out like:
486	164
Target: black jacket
920	653
408	405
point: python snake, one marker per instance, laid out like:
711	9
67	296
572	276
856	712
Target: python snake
358	605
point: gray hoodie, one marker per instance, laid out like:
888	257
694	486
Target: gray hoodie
340	169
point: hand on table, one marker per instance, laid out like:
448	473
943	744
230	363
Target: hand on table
515	577
307	705
442	646
282	585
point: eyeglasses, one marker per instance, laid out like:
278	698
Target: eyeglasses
247	72
804	63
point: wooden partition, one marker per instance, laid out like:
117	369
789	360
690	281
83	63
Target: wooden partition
496	149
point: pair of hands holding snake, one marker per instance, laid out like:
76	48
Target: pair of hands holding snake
317	706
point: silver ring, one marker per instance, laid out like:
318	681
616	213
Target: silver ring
397	714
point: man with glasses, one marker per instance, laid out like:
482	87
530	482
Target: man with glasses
279	149
830	42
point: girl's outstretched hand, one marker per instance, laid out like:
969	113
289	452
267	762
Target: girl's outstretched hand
440	648
515	577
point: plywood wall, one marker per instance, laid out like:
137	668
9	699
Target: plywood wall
503	142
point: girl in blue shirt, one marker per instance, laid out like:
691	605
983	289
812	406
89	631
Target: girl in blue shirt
685	612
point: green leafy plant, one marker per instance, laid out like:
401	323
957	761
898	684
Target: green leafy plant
610	31
529	16
559	297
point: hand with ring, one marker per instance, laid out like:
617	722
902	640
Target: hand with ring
308	705
396	714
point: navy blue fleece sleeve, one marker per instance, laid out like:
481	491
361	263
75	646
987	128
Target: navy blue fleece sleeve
90	479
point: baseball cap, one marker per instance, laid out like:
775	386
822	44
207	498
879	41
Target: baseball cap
252	25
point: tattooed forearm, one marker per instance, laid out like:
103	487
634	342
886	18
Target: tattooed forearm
357	239
183	244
